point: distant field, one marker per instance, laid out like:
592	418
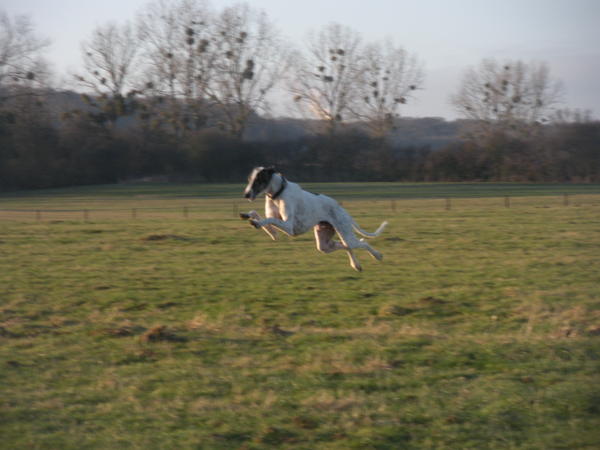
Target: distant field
166	200
339	190
160	320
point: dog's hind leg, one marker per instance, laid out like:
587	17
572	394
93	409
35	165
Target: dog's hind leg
374	253
353	261
350	240
324	233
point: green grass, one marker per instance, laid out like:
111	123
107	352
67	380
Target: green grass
339	190
480	329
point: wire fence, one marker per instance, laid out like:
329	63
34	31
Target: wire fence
92	214
231	208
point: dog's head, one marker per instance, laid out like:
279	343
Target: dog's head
258	182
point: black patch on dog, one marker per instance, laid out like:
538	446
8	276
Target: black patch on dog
262	179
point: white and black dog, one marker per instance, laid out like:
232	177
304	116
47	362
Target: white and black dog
294	211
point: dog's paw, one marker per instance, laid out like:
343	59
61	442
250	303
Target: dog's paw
254	223
244	216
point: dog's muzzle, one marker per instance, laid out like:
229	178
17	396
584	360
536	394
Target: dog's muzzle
249	195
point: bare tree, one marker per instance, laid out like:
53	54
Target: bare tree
175	36
109	58
564	116
509	97
249	59
213	67
21	61
389	79
326	77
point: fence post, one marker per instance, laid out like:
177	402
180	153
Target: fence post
448	204
566	199
38	215
393	204
507	202
235	209
185	212
133	213
86	215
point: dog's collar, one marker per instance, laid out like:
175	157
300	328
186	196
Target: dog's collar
281	189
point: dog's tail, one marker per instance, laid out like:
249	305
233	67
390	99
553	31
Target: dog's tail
377	232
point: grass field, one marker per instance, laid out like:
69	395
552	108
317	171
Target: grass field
480	329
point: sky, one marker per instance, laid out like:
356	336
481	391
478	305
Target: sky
448	36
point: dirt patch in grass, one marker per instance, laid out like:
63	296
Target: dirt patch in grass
432	301
594	330
160	333
164	237
393	239
6	333
276	436
167	305
394	310
122	330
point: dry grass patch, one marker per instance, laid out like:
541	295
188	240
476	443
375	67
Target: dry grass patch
557	321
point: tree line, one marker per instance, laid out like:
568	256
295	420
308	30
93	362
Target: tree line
185	92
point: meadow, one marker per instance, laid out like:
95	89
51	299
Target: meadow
158	319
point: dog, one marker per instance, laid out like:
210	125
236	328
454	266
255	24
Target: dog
294	211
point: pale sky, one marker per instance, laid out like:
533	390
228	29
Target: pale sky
447	35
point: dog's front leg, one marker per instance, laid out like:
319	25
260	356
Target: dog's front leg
271	211
287	226
253	216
